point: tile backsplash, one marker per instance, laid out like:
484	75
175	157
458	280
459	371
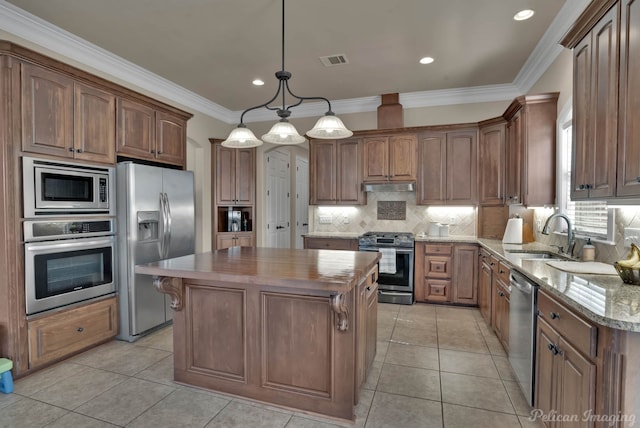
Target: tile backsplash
361	218
605	252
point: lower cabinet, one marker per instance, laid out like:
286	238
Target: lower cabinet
315	243
484	285
500	302
565	362
446	273
56	336
227	240
366	327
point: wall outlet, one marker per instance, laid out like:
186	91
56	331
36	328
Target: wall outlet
631	235
345	219
539	225
326	219
452	221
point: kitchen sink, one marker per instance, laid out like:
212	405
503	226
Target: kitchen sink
529	255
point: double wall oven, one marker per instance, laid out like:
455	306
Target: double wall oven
69	233
395	280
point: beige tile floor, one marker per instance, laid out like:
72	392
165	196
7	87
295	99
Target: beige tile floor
436	366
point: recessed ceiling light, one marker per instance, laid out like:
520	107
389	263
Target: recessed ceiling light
426	60
523	14
258	82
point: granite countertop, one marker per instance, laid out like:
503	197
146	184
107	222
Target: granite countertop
604	299
451	238
336	235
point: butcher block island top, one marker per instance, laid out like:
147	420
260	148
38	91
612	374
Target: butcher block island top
295	328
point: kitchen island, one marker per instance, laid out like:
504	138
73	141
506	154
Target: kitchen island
295	328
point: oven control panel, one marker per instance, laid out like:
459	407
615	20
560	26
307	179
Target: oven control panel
41	230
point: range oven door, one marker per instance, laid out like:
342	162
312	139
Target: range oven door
64	272
400	282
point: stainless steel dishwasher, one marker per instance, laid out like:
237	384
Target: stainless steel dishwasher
522	331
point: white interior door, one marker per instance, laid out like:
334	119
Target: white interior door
278	200
302	199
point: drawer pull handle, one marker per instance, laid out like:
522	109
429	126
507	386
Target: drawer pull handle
553	349
80	329
554	315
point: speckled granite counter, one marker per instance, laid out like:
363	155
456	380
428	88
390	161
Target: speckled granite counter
604	299
445	239
337	235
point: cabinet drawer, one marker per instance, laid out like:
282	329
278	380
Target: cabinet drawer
437	290
437	249
437	266
331	244
580	333
56	336
503	272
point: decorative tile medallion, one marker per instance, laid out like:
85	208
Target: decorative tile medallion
392	210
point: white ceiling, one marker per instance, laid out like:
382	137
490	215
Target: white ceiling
215	48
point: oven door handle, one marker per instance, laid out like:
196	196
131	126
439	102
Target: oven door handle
398	250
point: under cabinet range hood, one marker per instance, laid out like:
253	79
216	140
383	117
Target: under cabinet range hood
392	186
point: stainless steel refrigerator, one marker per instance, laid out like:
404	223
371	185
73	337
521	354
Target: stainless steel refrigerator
156	221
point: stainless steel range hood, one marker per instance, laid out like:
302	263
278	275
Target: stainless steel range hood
396	186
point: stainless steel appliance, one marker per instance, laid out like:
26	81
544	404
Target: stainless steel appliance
156	220
67	262
54	188
395	280
522	331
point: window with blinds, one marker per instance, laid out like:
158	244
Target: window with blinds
590	218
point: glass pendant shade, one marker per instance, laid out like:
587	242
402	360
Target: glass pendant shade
329	127
241	137
283	132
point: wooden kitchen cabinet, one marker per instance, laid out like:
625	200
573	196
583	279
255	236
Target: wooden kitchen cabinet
446	273
144	132
65	118
531	150
447	172
234	189
491	162
465	274
595	104
390	158
565	365
335	172
485	281
62	334
366	318
500	302
317	243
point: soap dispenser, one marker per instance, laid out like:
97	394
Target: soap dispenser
588	251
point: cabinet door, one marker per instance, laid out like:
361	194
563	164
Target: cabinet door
484	291
95	124
245	176
225	175
461	167
322	172
437	290
348	173
596	107
500	312
244	240
437	266
491	168
514	159
47	112
402	157
465	274
629	131
171	139
225	241
135	130
376	159
432	158
545	371
372	324
576	389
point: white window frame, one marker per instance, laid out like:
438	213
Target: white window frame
564	179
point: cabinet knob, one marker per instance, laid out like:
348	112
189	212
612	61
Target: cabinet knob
369	288
153	152
500	271
553	348
71	149
554	315
501	293
638	179
79	151
80	329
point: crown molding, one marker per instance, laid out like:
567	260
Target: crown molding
42	33
548	48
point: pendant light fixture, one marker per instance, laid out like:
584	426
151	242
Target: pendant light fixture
328	126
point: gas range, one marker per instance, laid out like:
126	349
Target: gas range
387	240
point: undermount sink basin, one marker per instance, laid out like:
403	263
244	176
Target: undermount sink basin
528	255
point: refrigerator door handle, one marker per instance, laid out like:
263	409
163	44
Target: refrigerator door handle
163	241
169	221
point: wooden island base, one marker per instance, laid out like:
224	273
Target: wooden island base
285	327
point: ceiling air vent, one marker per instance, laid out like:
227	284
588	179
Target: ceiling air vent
331	60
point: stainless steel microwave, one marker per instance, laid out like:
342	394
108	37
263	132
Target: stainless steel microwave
53	188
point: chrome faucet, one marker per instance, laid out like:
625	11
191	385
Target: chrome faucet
571	238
